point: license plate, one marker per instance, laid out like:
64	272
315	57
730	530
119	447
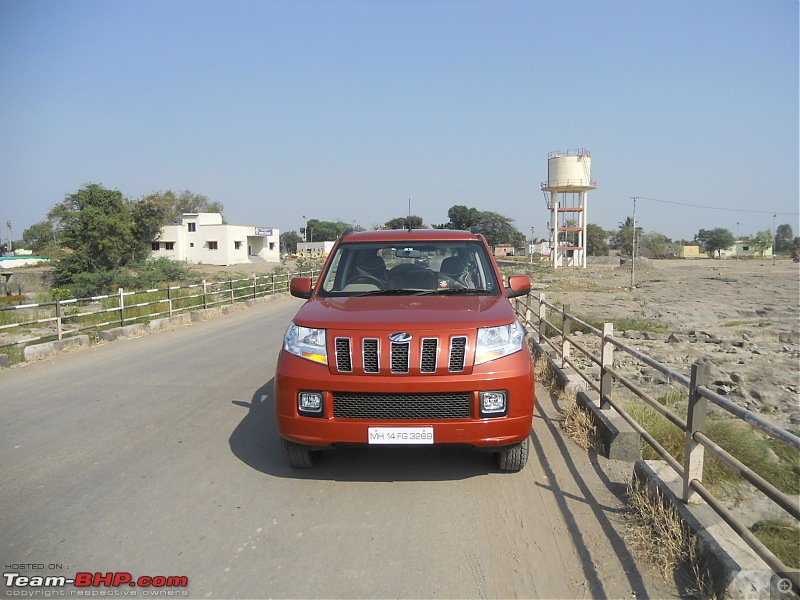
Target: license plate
400	435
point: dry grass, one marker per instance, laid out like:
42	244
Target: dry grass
657	534
578	424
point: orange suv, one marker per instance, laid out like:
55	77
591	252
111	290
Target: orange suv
407	337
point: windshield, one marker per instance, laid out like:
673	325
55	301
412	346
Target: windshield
418	268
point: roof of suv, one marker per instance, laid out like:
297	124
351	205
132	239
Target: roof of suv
389	235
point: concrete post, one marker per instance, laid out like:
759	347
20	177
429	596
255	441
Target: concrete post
695	422
606	360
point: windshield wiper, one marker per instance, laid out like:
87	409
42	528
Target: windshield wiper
451	292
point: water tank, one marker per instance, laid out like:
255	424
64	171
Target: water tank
569	170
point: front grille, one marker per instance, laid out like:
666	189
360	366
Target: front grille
396	359
434	406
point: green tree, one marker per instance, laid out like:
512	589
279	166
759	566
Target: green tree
403	222
784	237
97	229
715	240
179	203
149	215
761	242
496	228
596	237
653	244
622	239
323	231
289	241
41	237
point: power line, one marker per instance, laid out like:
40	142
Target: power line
744	210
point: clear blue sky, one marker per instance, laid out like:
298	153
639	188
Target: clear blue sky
348	109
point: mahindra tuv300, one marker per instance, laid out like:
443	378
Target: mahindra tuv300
408	337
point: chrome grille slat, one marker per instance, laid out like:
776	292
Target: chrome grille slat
427	363
400	352
344	359
370	352
458	354
433	406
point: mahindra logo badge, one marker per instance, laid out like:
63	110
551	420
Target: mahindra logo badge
401	337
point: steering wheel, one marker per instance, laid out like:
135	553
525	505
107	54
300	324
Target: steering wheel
364	278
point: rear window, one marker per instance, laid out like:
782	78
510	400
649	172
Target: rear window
420	267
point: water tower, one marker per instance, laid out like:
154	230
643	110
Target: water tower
569	178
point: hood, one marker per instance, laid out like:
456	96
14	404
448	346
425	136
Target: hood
406	312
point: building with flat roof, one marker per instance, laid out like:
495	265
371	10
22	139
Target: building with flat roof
202	238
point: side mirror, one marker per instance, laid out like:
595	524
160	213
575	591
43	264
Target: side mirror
518	285
301	287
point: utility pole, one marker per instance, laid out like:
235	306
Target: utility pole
737	240
633	247
530	249
774	235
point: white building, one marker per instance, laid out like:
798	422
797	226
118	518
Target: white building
203	238
314	249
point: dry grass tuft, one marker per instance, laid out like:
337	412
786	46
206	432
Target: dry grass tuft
657	533
578	424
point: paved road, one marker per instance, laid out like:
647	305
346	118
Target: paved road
159	456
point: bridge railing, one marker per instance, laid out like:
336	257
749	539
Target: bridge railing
594	362
41	322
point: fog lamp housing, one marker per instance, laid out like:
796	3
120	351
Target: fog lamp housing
494	403
310	404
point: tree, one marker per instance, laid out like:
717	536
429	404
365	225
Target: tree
496	228
41	237
97	228
186	201
784	237
761	241
653	244
715	240
149	216
323	231
289	241
596	244
622	239
403	223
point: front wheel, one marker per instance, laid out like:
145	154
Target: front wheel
513	459
299	456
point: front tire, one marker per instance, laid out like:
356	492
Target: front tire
298	456
514	459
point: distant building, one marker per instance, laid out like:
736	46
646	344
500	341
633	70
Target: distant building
314	249
692	252
745	249
203	238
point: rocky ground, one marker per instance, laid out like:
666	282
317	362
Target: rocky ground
743	317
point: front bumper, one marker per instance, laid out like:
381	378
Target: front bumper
513	374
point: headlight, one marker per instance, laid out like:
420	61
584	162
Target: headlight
496	342
307	343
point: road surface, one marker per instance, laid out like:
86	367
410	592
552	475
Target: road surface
159	456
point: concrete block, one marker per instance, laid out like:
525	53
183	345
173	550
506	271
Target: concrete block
38	351
157	324
5	361
620	440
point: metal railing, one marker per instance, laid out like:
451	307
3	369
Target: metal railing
601	376
41	322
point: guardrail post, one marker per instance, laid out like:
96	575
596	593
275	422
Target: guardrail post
542	317
59	330
606	360
255	283
169	299
205	298
121	307
272	284
695	421
565	327
232	297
